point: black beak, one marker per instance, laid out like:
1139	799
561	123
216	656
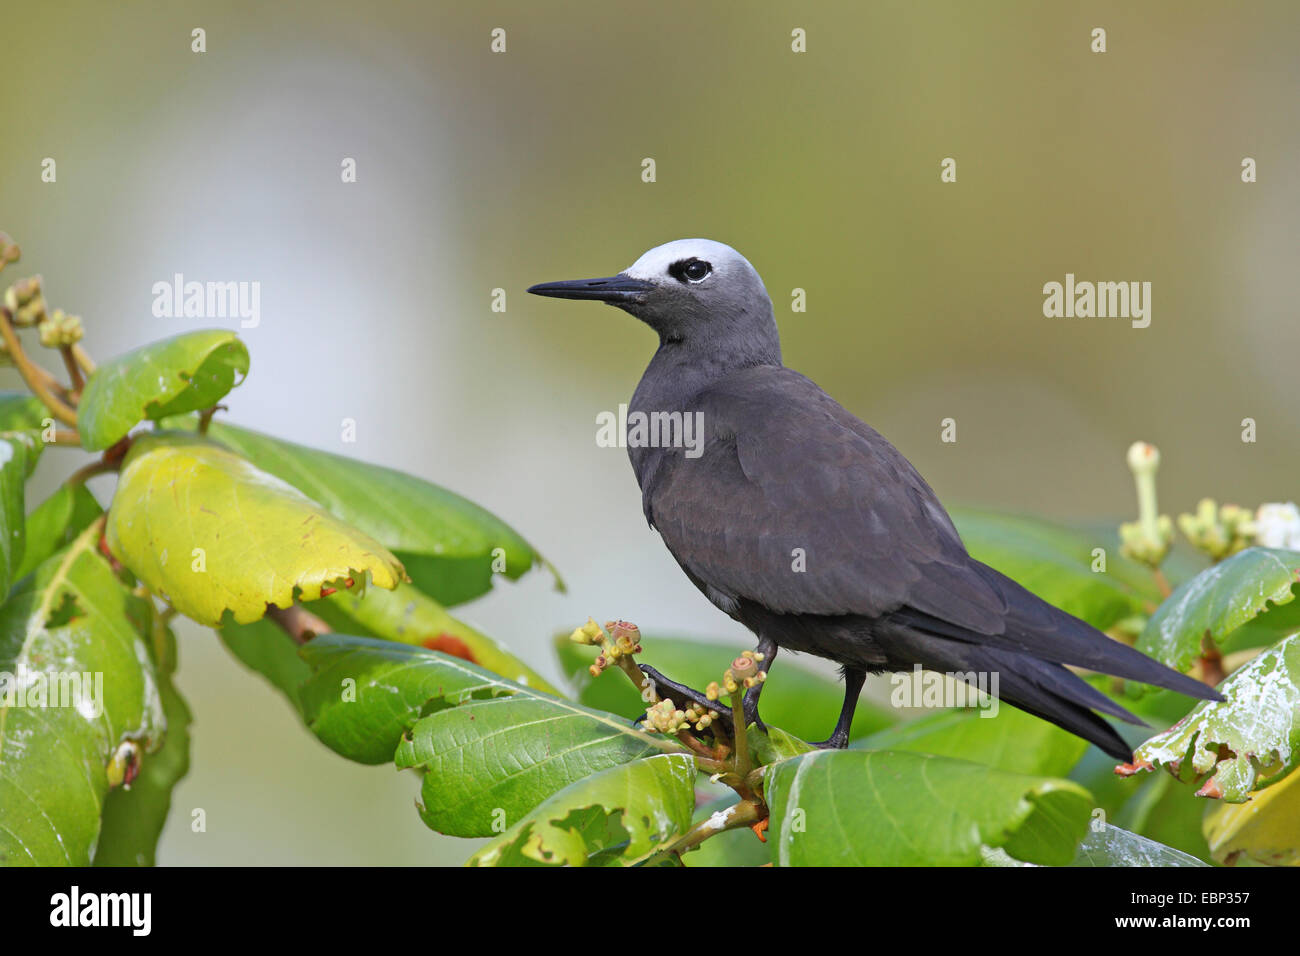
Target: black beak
616	290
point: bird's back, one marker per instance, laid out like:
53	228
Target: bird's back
798	512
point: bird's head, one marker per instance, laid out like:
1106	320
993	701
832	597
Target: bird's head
693	291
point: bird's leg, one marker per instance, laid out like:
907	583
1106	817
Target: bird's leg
839	738
766	647
680	691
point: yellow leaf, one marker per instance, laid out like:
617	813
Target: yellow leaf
1265	828
204	528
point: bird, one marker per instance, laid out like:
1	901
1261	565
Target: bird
880	580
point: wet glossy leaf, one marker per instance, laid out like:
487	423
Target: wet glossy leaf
72	616
1248	741
448	544
618	817
886	808
1218	601
184	373
1008	740
1108	845
795	699
213	534
1161	809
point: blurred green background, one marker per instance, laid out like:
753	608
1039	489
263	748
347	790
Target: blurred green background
479	170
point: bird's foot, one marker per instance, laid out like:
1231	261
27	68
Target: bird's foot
836	741
680	692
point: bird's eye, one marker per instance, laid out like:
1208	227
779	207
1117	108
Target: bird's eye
696	270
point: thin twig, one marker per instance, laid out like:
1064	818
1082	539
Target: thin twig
1162	582
37	379
746	813
74	371
97	467
83	359
205	417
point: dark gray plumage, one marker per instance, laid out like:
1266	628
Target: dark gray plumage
887	582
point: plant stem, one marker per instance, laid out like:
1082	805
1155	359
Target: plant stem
74	371
1162	582
83	359
97	467
298	622
743	814
743	763
37	379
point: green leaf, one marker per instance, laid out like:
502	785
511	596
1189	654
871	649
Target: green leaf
774	744
1266	828
886	808
184	373
489	760
802	703
409	615
1110	846
1248	741
205	529
73	616
619	817
1217	602
16	451
447	543
487	745
1008	740
55	523
22	412
1056	564
134	817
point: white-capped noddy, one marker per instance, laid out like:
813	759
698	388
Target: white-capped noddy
884	581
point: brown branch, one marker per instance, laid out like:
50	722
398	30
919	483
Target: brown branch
97	467
296	621
74	371
83	359
205	417
1162	582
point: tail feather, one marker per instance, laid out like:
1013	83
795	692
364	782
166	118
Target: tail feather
1043	688
1034	627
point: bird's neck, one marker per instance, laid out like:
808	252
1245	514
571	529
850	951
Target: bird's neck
678	373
